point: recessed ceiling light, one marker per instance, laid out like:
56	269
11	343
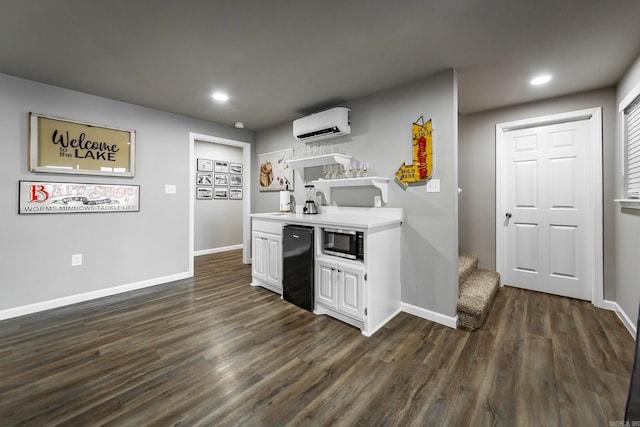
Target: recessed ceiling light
219	96
540	80
239	125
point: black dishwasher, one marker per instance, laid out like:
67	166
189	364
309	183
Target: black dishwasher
297	266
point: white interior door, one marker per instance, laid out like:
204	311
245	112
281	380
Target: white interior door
545	207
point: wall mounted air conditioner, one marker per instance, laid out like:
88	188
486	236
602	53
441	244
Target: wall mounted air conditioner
323	125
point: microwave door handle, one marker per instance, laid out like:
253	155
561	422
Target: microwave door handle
331	230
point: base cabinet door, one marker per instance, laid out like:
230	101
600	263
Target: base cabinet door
340	287
258	262
267	260
351	291
274	260
326	284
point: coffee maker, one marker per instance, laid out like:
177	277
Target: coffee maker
309	204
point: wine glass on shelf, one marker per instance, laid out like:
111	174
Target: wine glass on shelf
365	168
350	171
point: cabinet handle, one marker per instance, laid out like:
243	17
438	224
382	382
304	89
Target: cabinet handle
339	271
333	269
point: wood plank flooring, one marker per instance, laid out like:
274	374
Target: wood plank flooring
214	351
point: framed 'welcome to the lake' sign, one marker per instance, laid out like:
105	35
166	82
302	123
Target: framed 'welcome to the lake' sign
65	146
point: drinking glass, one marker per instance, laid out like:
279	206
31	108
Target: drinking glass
334	171
327	171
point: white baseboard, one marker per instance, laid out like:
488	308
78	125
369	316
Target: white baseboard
367	333
614	306
449	321
73	299
217	250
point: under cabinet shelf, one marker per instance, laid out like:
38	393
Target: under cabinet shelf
379	182
321	160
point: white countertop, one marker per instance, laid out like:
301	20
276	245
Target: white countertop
366	218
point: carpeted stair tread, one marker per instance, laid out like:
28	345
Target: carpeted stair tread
466	265
475	298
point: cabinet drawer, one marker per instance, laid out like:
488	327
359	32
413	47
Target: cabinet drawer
273	227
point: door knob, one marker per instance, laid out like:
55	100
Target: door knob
508	215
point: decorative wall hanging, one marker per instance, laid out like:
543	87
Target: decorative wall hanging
221	179
422	168
37	197
221	166
235	168
204	178
235	193
221	193
204	193
64	146
205	165
275	173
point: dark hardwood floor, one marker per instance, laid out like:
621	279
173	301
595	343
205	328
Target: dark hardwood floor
215	351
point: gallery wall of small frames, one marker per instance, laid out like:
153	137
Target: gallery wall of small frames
219	180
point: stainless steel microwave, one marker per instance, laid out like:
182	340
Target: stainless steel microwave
343	243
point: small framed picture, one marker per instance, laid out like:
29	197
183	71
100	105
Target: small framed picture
204	193
221	193
221	166
235	168
235	193
222	179
204	178
235	180
205	165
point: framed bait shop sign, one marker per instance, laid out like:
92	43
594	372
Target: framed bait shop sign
64	146
37	197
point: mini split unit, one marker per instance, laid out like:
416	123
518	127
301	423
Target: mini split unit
323	125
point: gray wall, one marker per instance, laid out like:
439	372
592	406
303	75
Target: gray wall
218	222
627	221
118	248
477	173
381	135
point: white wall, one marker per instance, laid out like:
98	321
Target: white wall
381	135
218	222
477	173
627	221
119	249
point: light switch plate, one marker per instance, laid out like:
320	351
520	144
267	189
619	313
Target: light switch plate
433	186
76	260
170	189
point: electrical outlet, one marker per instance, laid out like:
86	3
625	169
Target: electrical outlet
170	189
76	260
433	186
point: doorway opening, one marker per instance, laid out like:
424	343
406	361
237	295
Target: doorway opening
246	191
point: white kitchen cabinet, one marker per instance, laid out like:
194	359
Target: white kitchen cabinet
267	255
340	288
326	284
351	288
363	294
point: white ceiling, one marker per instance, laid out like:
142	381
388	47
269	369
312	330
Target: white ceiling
279	59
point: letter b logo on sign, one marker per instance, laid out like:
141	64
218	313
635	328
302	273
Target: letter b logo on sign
39	193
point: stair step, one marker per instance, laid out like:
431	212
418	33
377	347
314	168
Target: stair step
475	297
467	264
